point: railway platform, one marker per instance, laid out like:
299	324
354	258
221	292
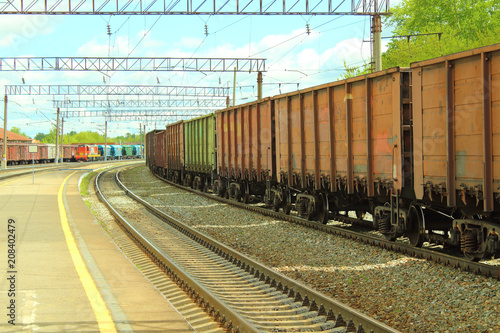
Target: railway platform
62	273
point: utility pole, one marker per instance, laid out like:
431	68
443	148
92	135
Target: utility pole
57	138
143	140
105	140
62	140
4	154
377	42
234	88
259	86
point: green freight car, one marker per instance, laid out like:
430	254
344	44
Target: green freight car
200	152
128	151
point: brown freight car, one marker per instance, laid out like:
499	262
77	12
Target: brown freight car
150	150
160	139
69	153
175	152
456	103
340	146
245	149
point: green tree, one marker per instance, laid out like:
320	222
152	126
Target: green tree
355	71
18	131
40	136
51	137
463	24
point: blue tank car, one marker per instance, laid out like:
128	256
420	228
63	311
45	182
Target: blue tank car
108	151
116	152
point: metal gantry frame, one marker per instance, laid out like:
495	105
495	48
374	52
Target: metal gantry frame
114	90
193	7
116	64
137	115
205	103
106	90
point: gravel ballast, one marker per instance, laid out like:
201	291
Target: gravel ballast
412	295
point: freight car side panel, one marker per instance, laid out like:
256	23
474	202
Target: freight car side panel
340	133
495	112
160	145
468	122
175	146
324	135
200	144
456	114
359	131
244	140
150	148
385	130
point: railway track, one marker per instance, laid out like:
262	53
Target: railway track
420	253
239	293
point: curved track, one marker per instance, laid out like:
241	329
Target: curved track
238	292
421	253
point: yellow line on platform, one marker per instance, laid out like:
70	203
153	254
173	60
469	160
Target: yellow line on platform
101	312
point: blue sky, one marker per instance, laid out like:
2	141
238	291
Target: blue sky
292	55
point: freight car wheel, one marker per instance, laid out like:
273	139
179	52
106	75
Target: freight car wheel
360	215
246	195
287	207
416	233
324	209
216	188
385	227
276	203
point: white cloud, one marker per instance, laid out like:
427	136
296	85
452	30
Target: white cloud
18	31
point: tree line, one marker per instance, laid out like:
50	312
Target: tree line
79	137
427	29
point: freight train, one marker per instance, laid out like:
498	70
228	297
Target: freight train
418	148
17	153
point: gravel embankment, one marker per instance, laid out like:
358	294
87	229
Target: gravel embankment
409	294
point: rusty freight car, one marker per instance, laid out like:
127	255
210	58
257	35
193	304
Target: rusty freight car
175	151
150	150
245	149
341	146
160	144
456	105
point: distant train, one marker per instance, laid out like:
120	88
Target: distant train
417	148
18	153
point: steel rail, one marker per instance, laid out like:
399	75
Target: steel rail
420	253
316	301
212	304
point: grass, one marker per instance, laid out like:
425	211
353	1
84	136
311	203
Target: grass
84	192
84	185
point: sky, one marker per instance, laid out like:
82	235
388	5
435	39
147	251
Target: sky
294	58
